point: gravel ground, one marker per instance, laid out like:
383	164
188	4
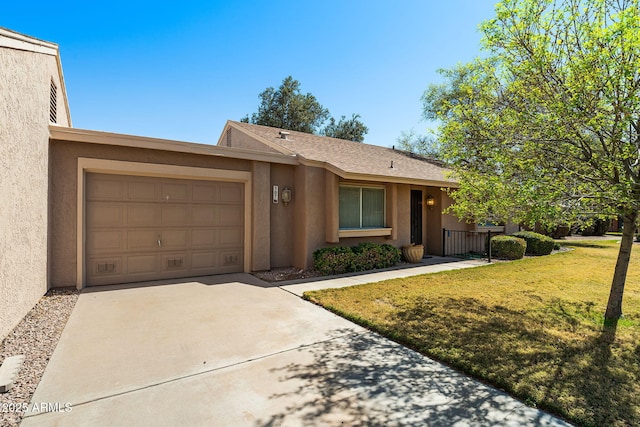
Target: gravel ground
36	336
282	274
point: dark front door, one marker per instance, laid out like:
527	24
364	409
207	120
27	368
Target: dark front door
416	217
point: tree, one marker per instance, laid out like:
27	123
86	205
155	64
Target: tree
288	108
352	129
546	125
424	145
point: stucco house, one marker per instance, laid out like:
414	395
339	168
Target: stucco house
84	208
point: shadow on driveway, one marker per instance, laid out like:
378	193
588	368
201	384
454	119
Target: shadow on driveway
363	379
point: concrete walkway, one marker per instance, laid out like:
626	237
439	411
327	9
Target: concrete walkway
432	264
234	351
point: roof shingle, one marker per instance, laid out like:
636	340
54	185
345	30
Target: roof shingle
352	158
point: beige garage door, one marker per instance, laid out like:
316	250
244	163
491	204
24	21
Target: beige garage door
141	228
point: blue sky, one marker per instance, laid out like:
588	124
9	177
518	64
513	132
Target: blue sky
179	70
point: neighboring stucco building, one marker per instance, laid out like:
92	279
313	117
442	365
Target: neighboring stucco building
84	208
33	96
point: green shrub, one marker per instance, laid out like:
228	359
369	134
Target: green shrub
556	232
365	256
508	247
333	260
598	227
537	244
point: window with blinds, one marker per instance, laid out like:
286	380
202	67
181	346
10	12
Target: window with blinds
361	207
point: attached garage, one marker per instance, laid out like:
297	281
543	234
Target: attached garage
126	209
145	228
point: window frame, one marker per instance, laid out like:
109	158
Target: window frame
365	231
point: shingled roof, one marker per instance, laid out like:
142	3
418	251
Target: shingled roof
348	159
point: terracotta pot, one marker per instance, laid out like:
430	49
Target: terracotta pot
413	253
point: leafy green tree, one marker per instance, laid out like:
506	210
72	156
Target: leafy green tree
546	125
350	129
424	145
288	108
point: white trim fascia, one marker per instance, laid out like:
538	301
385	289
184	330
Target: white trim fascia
160	171
11	39
62	133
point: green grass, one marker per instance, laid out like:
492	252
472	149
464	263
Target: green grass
532	327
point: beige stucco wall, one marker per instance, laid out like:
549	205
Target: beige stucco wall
261	216
63	193
282	218
237	139
25	79
309	214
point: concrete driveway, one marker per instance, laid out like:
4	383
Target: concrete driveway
233	351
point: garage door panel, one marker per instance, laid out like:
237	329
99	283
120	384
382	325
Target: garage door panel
204	260
146	228
175	215
144	214
175	192
175	262
205	192
231	193
230	258
144	240
231	237
106	214
106	266
142	191
106	188
230	215
204	215
175	239
143	264
106	241
204	238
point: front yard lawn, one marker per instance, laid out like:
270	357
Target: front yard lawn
532	327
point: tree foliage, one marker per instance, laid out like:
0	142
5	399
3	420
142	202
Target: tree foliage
545	127
288	108
425	145
350	129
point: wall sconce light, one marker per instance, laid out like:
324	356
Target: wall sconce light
431	202
287	195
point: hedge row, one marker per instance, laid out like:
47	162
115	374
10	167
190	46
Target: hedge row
537	244
365	256
516	245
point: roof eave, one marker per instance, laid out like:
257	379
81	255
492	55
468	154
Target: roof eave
376	178
60	133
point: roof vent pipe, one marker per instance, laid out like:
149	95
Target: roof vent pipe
284	135
391	167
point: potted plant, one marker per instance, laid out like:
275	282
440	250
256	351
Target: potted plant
413	253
